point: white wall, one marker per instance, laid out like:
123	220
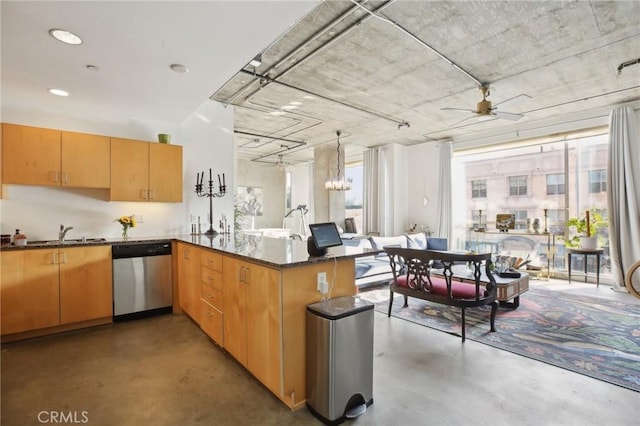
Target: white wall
423	177
399	188
39	211
301	193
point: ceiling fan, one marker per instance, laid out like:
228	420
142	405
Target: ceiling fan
485	109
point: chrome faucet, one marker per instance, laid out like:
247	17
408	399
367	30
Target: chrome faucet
63	232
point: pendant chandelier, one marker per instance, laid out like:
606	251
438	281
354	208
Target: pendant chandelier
339	183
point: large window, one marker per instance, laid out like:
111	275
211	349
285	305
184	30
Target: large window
521	218
517	185
478	189
555	184
597	181
564	176
353	197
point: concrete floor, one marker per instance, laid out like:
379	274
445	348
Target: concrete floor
165	371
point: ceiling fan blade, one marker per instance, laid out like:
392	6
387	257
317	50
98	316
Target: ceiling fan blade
516	100
458	109
460	122
507	115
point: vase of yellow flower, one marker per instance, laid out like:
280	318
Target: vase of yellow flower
126	222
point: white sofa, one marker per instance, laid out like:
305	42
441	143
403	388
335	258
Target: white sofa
375	269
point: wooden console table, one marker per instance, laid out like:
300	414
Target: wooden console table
551	246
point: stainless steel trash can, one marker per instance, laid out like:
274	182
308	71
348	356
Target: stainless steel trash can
339	358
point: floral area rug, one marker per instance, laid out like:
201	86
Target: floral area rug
596	337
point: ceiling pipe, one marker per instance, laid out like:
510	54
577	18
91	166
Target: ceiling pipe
326	98
626	64
269	137
414	37
301	47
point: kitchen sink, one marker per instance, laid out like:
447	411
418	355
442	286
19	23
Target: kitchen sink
69	241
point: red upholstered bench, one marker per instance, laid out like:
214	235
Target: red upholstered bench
415	280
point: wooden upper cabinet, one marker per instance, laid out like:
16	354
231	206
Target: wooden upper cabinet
85	160
30	155
165	172
129	170
36	156
133	170
145	171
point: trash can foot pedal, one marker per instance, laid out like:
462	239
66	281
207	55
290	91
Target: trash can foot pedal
356	411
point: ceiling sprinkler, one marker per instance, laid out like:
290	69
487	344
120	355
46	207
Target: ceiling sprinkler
403	124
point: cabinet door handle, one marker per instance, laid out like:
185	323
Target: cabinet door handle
207	313
53	258
151	194
65	177
64	257
55	177
143	194
247	275
241	278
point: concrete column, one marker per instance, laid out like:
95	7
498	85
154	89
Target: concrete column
328	205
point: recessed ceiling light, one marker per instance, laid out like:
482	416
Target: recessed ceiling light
58	92
277	113
289	107
65	36
256	62
295	103
179	68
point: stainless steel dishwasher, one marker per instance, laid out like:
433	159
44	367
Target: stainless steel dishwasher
142	279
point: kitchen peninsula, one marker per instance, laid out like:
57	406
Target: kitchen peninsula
250	293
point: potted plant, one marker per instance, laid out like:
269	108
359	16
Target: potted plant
586	230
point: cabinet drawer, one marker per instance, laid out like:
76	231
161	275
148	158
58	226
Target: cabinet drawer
211	278
211	296
212	322
211	260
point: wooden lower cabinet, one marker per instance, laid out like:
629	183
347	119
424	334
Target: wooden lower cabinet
258	313
86	285
211	322
189	280
211	296
44	288
252	319
29	290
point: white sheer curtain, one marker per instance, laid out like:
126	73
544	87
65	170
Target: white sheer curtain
623	195
443	226
375	205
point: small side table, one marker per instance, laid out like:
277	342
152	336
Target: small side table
584	252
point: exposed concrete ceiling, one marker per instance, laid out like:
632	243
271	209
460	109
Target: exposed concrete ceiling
342	68
337	68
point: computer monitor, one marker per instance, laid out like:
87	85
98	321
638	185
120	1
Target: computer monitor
323	236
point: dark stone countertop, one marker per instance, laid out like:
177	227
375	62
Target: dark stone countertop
274	252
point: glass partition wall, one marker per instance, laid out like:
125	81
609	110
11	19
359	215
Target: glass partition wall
541	185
